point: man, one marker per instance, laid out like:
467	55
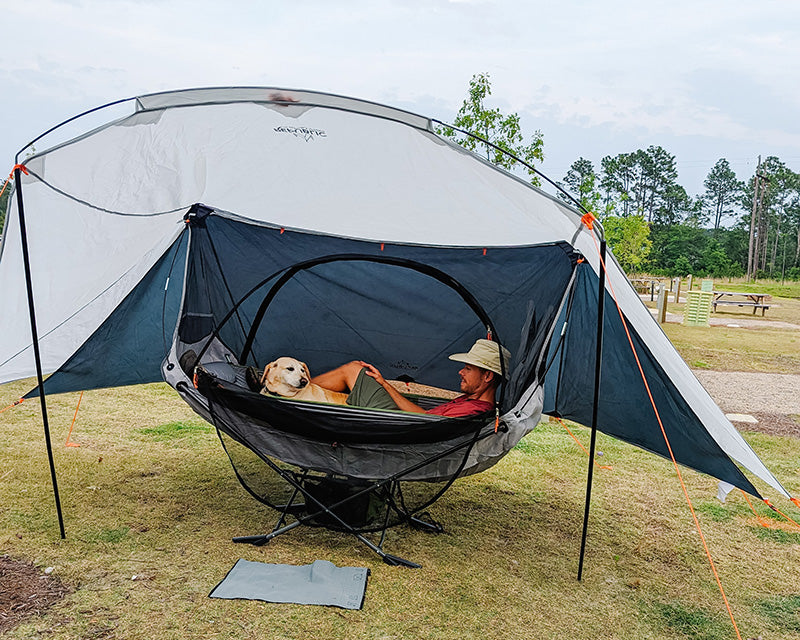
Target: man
480	377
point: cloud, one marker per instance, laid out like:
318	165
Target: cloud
620	70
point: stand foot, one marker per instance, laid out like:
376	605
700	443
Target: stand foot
258	541
429	526
395	561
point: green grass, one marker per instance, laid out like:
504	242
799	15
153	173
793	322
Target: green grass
778	536
175	430
735	349
782	612
789	289
149	493
111	536
716	511
687	621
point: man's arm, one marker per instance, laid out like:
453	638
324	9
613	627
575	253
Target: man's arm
403	403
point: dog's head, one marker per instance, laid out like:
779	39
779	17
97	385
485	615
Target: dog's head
286	377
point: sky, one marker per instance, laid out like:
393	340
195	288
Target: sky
703	79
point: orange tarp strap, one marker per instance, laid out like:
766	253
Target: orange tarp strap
13	404
761	520
580	444
74	417
21	167
588	220
667	442
778	511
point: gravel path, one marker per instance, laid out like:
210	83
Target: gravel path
742	392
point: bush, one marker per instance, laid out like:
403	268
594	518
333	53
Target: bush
793	274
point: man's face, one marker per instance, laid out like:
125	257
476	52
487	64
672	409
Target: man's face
473	379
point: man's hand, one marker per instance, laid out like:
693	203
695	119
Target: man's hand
373	372
400	400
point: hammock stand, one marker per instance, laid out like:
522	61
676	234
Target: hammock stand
321	497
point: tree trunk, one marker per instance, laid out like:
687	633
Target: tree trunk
774	255
797	246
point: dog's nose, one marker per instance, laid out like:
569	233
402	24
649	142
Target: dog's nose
303	382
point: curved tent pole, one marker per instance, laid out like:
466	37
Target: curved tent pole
515	159
293	270
35	338
68	120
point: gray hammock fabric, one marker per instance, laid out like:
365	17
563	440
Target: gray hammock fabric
321	583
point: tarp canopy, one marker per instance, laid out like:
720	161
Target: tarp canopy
306	175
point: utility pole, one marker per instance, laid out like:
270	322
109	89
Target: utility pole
750	252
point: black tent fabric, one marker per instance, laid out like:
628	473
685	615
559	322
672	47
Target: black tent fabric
403	321
147	315
626	412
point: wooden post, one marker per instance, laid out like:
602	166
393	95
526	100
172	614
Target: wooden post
677	290
689	286
662	304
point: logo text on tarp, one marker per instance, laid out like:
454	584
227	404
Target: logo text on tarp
303	132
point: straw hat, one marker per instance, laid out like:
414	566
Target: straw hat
486	355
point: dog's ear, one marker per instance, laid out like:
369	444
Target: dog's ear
267	370
305	370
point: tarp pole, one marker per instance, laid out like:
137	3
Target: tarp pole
596	402
35	336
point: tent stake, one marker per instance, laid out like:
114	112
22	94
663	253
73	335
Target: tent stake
596	402
35	336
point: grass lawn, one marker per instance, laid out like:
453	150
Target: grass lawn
760	348
149	493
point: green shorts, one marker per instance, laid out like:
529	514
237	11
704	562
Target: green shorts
368	393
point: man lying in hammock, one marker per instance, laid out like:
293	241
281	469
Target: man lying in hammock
480	377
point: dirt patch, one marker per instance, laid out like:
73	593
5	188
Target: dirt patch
773	424
25	591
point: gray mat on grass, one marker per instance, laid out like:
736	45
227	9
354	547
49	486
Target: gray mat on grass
321	582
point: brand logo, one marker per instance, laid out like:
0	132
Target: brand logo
404	364
303	132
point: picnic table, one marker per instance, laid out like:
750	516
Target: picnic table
741	299
645	285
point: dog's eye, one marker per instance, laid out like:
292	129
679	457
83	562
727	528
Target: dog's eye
290	368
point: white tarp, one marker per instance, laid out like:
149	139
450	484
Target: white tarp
311	161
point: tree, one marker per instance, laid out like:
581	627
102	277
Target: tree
581	181
772	200
618	177
629	239
677	205
502	131
677	249
641	183
657	179
716	262
4	206
723	191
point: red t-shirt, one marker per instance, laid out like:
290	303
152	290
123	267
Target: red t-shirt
461	407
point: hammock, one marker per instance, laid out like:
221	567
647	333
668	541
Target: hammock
342	467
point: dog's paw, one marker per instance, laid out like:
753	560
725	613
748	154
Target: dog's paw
253	379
